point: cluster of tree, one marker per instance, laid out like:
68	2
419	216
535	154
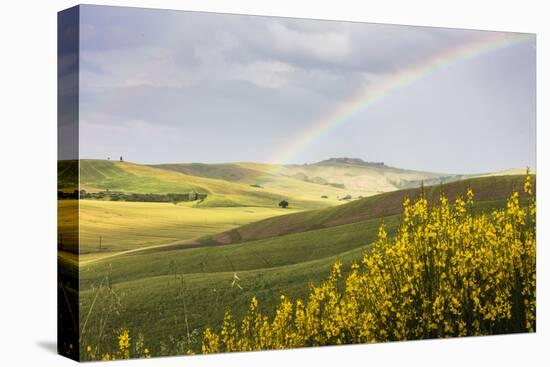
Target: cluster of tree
120	196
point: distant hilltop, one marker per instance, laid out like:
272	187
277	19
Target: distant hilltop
350	161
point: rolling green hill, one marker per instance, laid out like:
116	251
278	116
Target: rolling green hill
168	270
264	177
267	253
163	308
160	287
101	175
223	171
486	189
353	176
108	226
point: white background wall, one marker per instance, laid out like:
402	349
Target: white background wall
28	181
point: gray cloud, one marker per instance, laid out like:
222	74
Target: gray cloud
179	85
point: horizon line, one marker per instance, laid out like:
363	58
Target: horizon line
371	163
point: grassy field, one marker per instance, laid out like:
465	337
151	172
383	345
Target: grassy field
169	291
130	225
122	226
158	306
357	177
486	189
252	255
236	196
116	226
155	285
168	270
97	175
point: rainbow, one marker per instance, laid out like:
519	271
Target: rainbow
384	87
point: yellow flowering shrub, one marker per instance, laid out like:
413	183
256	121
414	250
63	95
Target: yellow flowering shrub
123	351
448	272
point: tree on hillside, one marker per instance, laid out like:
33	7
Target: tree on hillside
283	204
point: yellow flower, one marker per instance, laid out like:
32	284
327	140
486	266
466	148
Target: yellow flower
470	196
446	272
124	343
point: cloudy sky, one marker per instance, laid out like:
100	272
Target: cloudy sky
173	86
